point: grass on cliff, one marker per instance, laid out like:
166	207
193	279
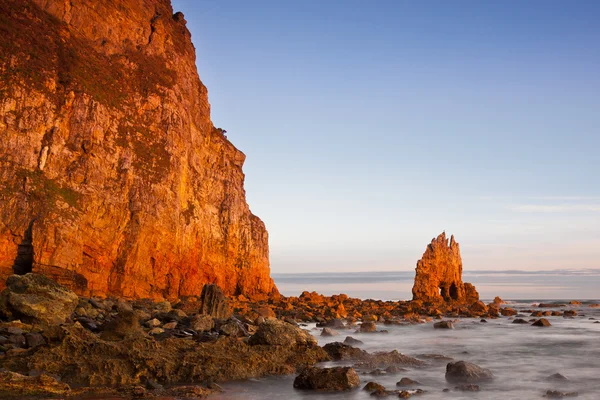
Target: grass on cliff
37	48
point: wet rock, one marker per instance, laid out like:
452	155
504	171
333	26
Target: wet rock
407	382
556	394
393	369
34	298
466	372
444	325
542	322
367	327
334	379
340	351
469	387
214	302
520	321
508	312
569	313
350	341
336	323
557	377
279	333
373	386
483	320
202	323
329	332
17	385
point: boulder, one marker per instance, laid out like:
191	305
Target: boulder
407	382
443	325
374	387
214	302
334	379
466	372
340	351
542	322
350	341
367	327
33	298
329	332
279	333
202	323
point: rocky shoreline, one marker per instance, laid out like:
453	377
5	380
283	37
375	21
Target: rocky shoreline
54	343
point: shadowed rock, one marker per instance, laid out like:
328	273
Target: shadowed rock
327	379
466	372
214	302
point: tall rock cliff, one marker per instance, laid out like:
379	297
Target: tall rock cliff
113	179
439	274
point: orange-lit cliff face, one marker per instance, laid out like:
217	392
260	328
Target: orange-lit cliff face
113	179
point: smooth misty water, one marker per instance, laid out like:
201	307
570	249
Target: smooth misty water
520	356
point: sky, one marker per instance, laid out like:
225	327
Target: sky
371	127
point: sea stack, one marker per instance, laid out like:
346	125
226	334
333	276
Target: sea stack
439	274
113	179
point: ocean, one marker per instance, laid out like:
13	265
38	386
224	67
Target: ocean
566	284
521	357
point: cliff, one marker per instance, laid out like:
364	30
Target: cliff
439	274
113	179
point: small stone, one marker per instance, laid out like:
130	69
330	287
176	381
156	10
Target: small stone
170	325
555	394
470	387
557	377
520	321
329	332
407	382
152	323
156	331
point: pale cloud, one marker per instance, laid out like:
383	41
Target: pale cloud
554	208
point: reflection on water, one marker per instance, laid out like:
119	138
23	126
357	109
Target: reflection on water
520	356
391	285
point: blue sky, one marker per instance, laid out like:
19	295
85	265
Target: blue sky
371	127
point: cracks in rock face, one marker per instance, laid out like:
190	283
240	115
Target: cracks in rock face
24	260
153	26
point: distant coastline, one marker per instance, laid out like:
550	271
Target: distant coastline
559	284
